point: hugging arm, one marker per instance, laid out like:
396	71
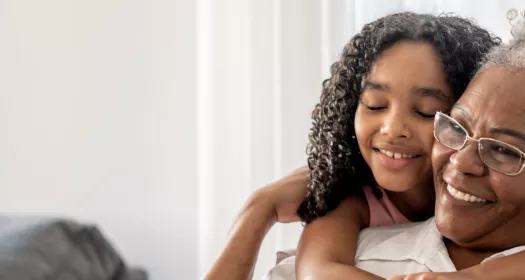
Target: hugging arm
277	202
238	258
509	267
328	244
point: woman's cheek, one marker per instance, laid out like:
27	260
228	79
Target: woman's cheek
440	155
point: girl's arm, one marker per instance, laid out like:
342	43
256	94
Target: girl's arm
509	267
238	258
328	244
505	268
277	202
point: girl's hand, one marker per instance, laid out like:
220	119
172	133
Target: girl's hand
458	275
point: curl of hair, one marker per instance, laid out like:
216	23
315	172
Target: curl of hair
511	55
337	168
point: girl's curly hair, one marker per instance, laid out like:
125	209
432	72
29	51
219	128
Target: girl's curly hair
337	168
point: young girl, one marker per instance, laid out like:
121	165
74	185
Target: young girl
371	141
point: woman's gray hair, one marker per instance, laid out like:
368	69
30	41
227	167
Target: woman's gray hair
511	54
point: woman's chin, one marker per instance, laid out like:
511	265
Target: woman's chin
457	228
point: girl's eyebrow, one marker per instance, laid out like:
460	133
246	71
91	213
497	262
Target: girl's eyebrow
433	92
423	91
368	84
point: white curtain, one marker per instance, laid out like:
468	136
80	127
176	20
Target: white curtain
155	119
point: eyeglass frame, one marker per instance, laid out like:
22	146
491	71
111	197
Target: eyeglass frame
478	141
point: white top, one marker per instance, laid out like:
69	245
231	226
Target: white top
394	250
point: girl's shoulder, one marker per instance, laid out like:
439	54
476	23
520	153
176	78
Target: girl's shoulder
357	204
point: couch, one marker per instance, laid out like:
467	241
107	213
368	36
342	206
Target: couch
59	249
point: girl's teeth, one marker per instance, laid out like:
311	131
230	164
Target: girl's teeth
459	195
395	155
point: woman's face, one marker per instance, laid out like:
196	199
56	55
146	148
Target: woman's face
493	106
406	86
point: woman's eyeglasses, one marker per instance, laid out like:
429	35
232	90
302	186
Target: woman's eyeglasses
496	154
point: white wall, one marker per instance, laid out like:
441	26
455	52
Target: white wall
156	119
98	122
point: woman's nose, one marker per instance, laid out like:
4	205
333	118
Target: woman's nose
467	161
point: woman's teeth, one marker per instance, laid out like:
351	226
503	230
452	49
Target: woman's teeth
459	195
396	155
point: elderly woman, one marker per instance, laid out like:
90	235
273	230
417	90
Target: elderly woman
478	161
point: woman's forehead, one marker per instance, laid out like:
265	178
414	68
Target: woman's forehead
496	91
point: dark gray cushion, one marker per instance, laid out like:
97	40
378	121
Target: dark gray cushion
57	249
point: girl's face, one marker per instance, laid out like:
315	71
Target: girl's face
406	86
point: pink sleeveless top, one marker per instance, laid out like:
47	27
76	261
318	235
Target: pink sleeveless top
382	211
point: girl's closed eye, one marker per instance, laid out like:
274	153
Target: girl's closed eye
425	115
374	108
428	107
372	104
